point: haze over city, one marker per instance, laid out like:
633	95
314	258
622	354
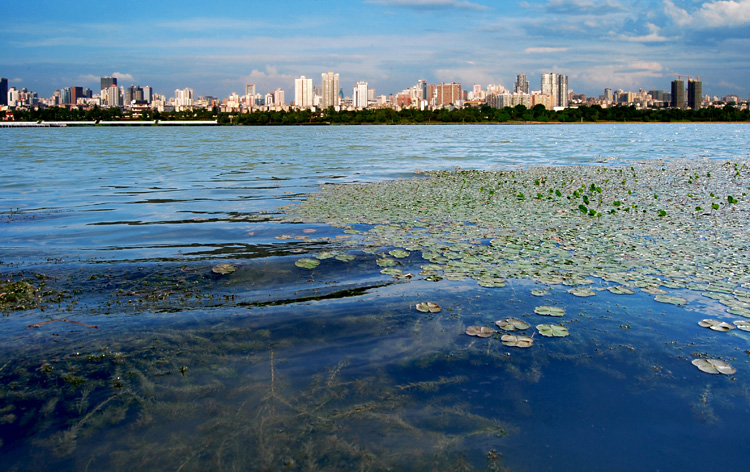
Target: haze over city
217	48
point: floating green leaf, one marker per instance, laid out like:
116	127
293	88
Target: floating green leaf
620	290
714	366
391	271
582	292
386	262
742	325
307	263
540	292
224	268
549	311
325	255
670	299
345	257
552	330
716	325
399	253
511	324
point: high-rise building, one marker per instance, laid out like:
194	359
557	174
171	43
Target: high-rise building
148	94
678	94
422	90
113	96
360	95
278	97
448	94
107	82
521	85
695	94
556	85
183	99
303	92
330	92
3	91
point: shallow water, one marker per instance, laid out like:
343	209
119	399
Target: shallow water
274	367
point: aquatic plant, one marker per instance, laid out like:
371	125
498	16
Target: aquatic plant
549	311
552	330
307	263
223	269
428	307
513	340
511	324
714	366
716	325
480	331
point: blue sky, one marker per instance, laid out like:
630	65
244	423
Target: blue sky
215	47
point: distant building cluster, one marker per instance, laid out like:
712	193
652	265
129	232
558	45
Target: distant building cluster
553	93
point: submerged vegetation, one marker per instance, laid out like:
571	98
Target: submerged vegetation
420	339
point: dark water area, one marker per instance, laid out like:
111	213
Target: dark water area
133	353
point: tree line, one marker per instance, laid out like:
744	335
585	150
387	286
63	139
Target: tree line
484	114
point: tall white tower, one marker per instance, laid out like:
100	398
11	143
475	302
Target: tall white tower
360	95
303	92
330	92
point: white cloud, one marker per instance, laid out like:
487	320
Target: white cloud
627	76
544	50
121	76
652	37
720	13
430	4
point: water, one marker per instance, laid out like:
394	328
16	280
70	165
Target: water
278	368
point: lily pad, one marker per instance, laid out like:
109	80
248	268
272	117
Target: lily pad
620	290
743	325
480	331
512	340
386	262
552	330
511	324
223	269
670	299
653	290
428	307
307	263
344	257
391	271
549	311
714	366
540	292
399	253
716	325
735	310
582	292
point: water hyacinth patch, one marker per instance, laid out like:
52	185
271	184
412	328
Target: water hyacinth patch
552	330
512	324
716	325
480	331
714	366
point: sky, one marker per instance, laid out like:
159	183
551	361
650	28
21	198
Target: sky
216	47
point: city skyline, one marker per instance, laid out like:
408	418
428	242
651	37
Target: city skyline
388	43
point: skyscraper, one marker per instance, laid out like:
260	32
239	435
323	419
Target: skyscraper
521	85
303	92
556	85
695	94
3	91
107	82
360	95
678	94
330	92
448	94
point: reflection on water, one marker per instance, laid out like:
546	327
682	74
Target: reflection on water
275	367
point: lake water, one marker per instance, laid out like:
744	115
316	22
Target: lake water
135	354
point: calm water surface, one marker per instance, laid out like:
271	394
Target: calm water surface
274	367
